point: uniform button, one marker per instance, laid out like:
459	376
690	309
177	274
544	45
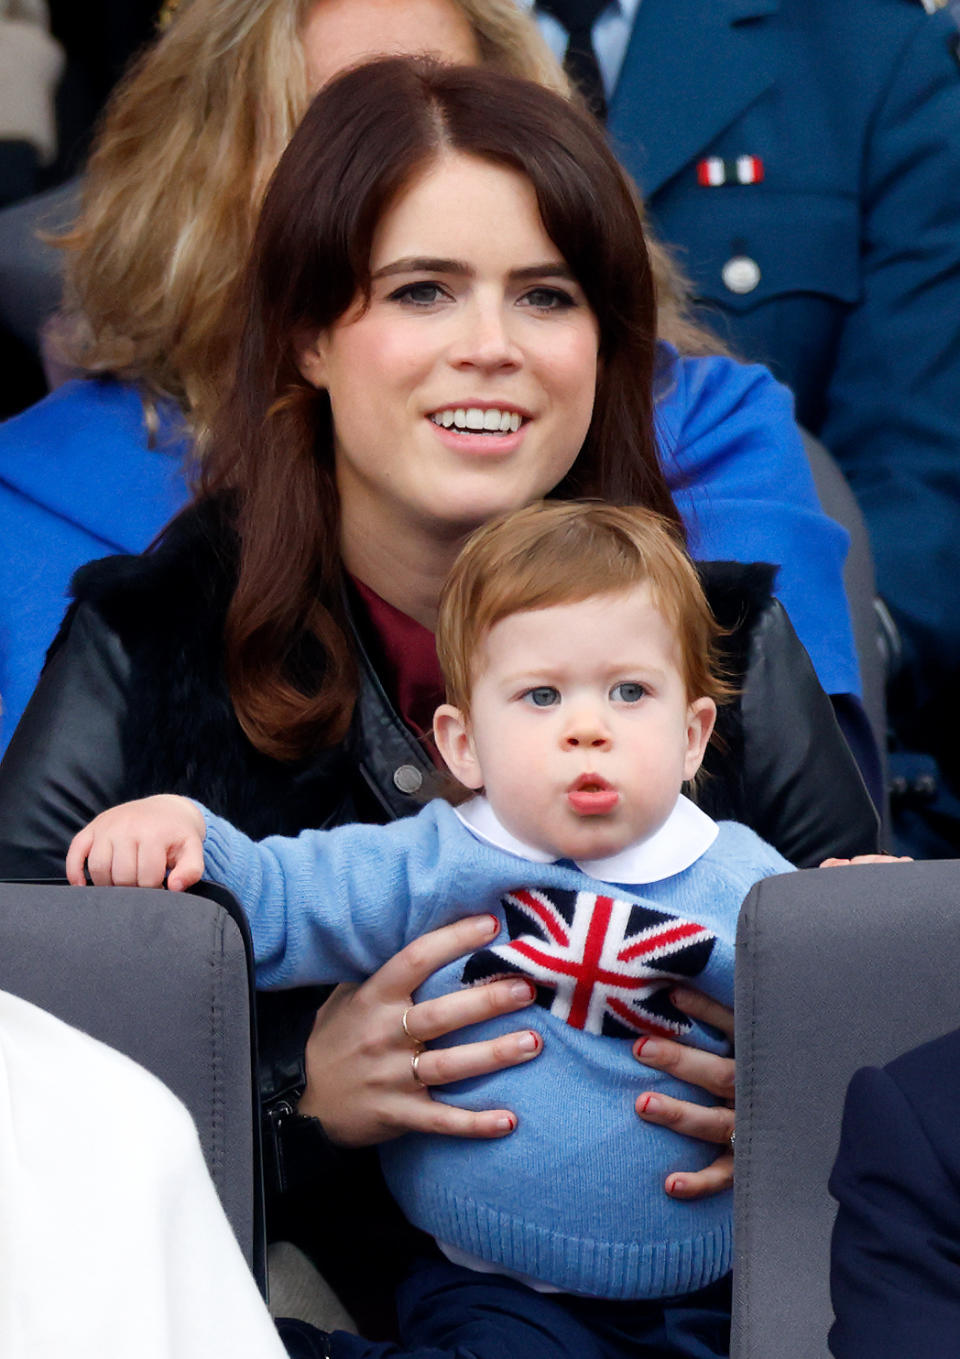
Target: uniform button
408	778
741	274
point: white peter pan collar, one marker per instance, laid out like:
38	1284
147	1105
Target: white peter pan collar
686	834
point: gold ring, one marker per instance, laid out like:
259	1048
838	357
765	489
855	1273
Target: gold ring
414	1066
732	1140
403	1024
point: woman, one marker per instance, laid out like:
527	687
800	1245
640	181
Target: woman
273	655
168	213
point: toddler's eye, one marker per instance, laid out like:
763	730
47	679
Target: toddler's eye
627	692
544	696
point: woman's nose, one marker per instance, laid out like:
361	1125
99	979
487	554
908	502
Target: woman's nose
485	340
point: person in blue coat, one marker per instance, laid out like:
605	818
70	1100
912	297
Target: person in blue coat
734	461
895	1260
803	157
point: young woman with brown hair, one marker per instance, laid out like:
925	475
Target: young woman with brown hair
170	199
448	315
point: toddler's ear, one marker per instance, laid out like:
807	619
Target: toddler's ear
451	732
701	715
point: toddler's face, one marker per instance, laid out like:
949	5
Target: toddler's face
580	731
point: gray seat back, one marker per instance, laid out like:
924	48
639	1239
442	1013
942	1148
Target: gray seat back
165	978
836	969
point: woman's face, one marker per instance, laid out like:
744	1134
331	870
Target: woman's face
342	33
465	389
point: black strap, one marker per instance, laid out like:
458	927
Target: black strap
580	61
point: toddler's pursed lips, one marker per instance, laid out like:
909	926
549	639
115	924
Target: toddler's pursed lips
591	795
590	783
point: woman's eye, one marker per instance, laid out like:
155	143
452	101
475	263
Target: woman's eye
418	294
548	299
544	696
628	691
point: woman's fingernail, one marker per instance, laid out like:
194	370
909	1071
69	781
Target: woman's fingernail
649	1104
522	990
490	925
529	1041
507	1123
679	996
676	1185
648	1046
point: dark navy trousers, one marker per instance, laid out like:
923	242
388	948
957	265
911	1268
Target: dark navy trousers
446	1312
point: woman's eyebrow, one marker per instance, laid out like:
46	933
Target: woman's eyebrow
422	264
549	269
428	264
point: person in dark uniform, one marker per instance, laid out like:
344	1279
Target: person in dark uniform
804	157
895	1260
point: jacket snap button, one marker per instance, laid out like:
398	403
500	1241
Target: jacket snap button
741	274
408	778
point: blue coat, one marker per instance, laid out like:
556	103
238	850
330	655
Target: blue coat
895	1265
854	231
78	481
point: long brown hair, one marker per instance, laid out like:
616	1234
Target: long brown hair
362	141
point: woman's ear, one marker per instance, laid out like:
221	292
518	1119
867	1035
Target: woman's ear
701	715
312	358
454	742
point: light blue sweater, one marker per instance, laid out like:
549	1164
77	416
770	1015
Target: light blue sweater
574	1196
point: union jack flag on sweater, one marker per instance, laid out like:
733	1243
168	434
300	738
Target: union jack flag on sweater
599	963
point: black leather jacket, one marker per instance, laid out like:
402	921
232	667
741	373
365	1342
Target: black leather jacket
133	701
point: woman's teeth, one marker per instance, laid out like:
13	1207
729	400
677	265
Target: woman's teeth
476	420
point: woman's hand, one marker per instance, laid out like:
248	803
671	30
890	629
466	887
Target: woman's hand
710	1072
867	859
360	1077
135	844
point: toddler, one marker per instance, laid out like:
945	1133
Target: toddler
577	649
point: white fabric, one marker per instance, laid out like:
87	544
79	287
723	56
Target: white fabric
686	834
112	1240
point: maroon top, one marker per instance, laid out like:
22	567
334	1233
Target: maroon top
409	670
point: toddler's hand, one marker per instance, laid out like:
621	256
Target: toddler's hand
867	859
134	845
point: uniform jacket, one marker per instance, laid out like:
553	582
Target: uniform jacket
895	1264
847	273
78	479
573	1202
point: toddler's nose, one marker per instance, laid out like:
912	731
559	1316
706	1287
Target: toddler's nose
586	730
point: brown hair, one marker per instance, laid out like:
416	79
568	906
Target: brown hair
561	553
364	139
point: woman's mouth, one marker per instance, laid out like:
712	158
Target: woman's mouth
590	795
478	419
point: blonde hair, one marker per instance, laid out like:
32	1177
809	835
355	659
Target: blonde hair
173	188
562	552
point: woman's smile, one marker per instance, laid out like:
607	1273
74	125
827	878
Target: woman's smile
480	428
